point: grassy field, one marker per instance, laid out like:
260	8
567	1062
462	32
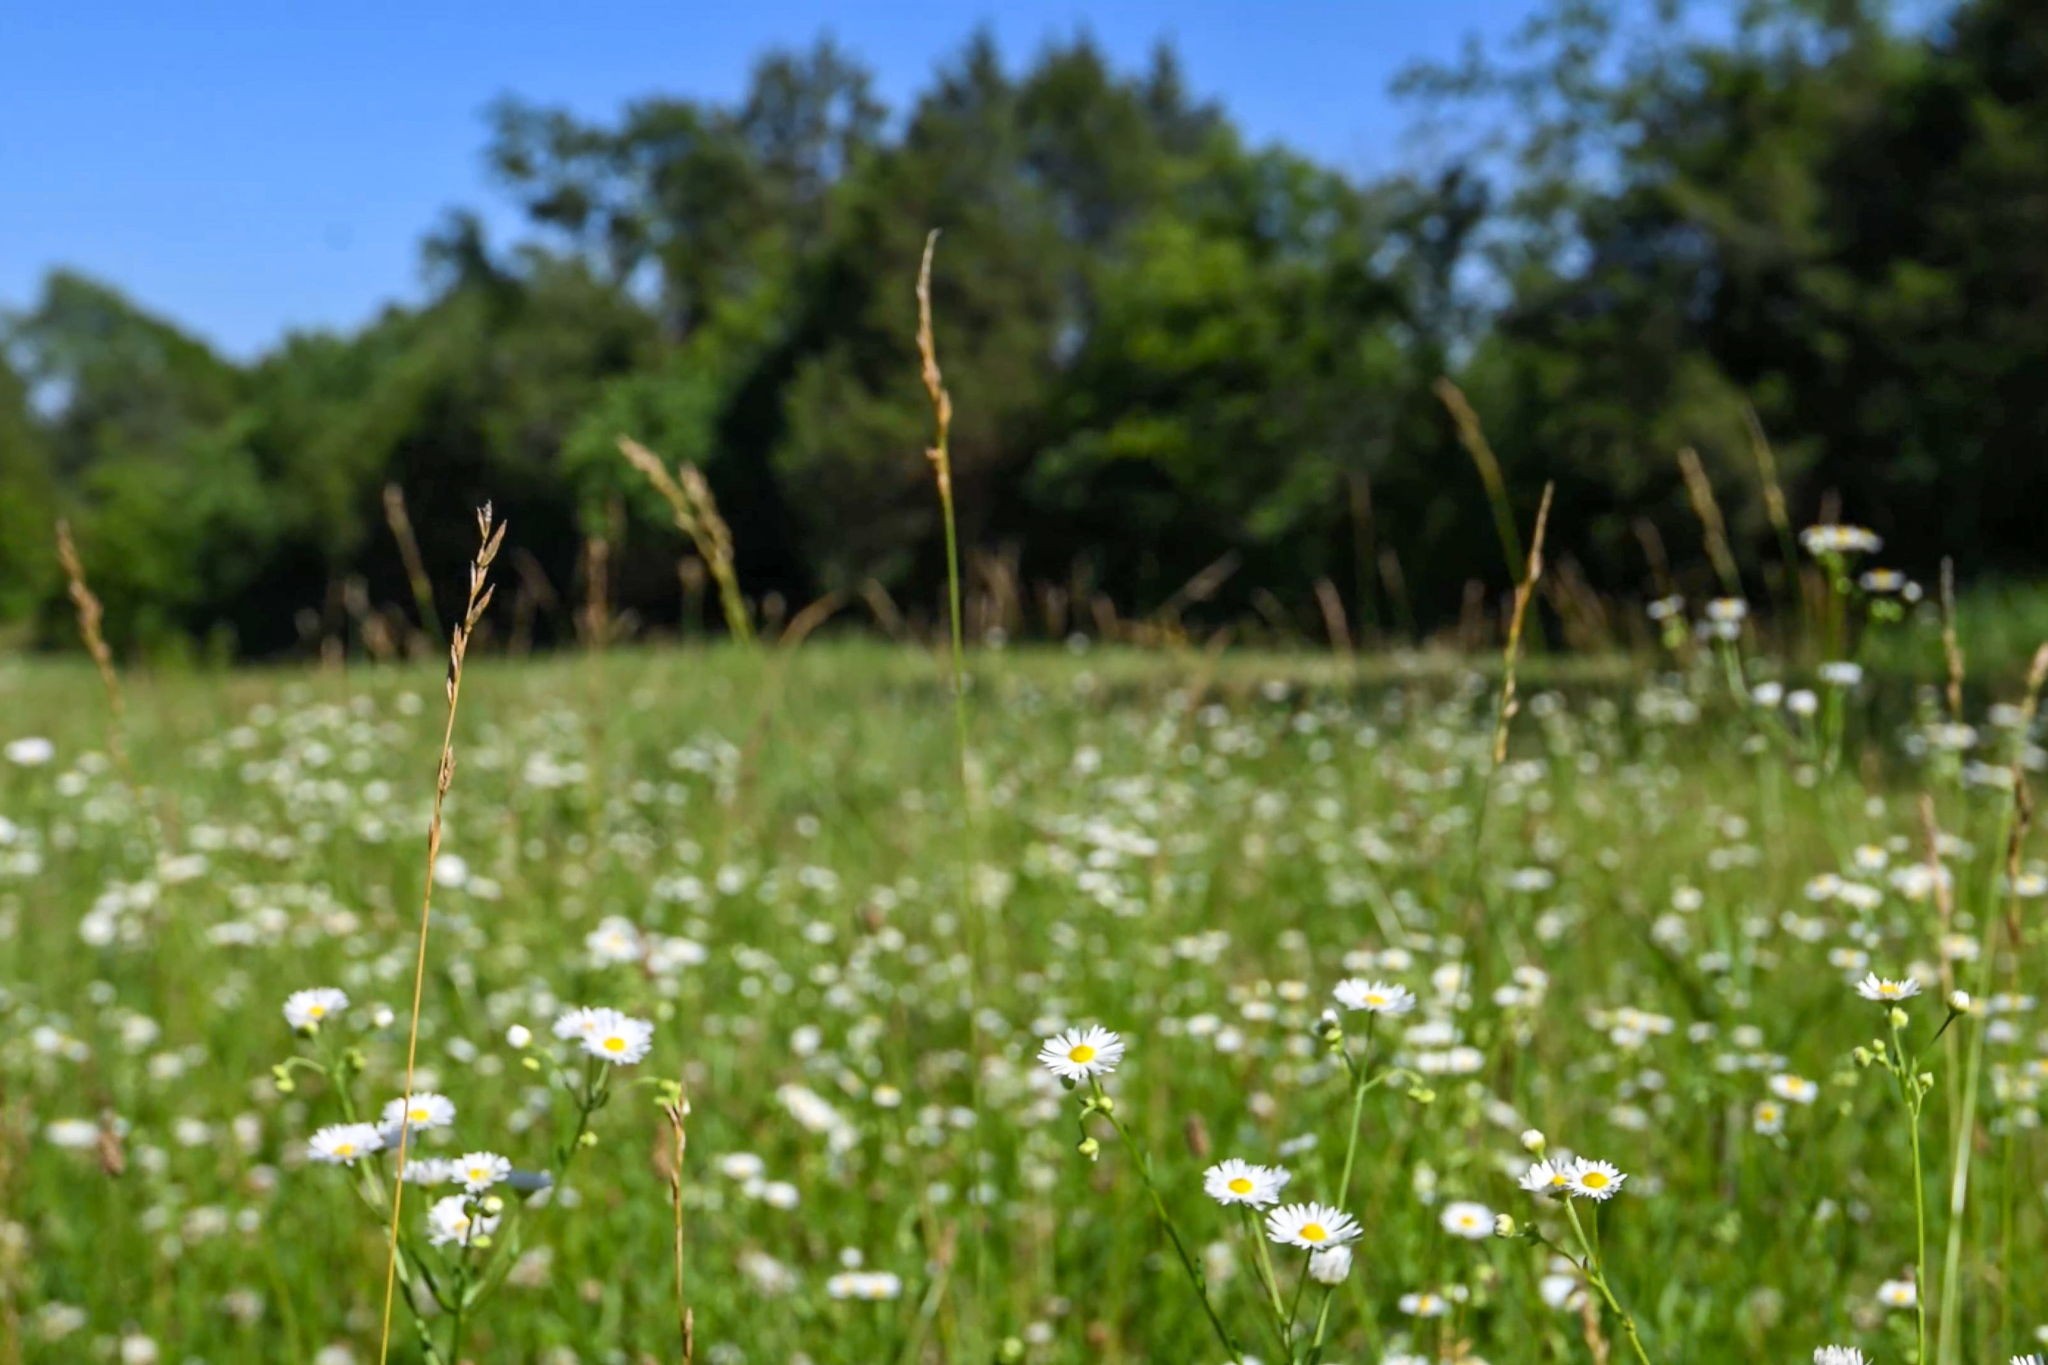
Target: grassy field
1640	935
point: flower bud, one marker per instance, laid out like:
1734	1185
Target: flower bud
518	1036
1898	1017
1089	1148
1330	1266
1959	1001
1533	1141
1504	1226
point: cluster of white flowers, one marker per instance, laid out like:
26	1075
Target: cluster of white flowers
606	1034
1577	1178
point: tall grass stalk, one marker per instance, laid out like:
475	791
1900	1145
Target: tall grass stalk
92	631
400	521
689	498
940	455
675	1107
490	537
2017	822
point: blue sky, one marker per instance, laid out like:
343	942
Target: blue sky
247	168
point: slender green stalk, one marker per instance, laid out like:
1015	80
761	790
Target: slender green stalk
941	456
1596	1274
1103	1105
1914	1097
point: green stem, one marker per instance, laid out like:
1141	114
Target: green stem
1597	1276
1360	1085
1263	1266
1187	1261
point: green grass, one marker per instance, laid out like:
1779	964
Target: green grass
1186	850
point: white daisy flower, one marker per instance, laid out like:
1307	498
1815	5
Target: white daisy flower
1594	1179
875	1285
1796	1089
1884	991
1240	1182
1079	1054
1898	1294
478	1171
1837	1355
618	1038
428	1170
343	1144
575	1025
310	1009
32	752
452	1220
1425	1305
1311	1226
424	1110
1547	1177
1463	1218
1374	997
1767	1118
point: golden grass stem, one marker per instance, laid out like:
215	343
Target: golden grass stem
677	1111
1699	490
490	537
400	522
689	498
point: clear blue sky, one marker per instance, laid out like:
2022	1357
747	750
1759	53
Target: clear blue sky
250	167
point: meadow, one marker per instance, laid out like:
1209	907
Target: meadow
1634	936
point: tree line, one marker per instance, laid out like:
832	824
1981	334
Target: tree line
1188	372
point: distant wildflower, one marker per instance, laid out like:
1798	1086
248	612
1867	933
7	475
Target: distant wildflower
454	1220
1374	997
874	1285
1837	1355
1840	540
478	1171
343	1144
31	752
312	1008
1463	1218
1898	1294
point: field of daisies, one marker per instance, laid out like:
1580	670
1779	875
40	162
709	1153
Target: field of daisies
1216	1008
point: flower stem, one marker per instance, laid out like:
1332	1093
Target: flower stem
1598	1278
1187	1261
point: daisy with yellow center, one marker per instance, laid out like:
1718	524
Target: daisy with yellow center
1311	1226
308	1009
1885	991
1597	1180
1374	997
1240	1182
423	1110
617	1038
343	1144
1079	1054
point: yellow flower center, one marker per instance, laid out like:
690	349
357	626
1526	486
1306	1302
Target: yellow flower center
615	1044
1593	1180
1081	1055
344	1149
418	1113
1374	1000
1314	1232
317	1011
1559	1178
1240	1185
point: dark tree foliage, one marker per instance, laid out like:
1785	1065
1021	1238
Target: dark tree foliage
1167	348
